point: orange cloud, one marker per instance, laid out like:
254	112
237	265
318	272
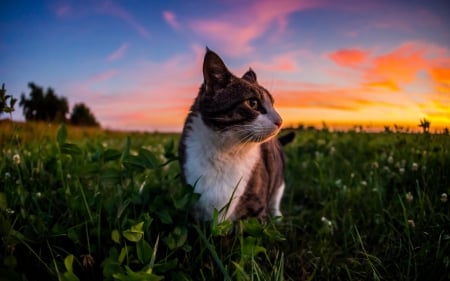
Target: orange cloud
386	85
400	65
349	57
441	76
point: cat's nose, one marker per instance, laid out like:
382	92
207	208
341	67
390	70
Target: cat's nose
277	120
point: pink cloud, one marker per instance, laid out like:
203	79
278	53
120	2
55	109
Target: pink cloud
119	53
111	8
171	19
103	76
236	30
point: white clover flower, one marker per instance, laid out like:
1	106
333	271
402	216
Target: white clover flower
332	150
326	221
415	166
363	183
7	175
375	165
412	223
401	170
390	159
38	194
16	159
409	197
444	197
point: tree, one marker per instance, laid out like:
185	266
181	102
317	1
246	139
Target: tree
425	125
4	106
43	107
82	116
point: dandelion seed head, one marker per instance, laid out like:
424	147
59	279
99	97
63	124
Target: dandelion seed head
7	175
409	197
401	170
444	197
415	166
16	159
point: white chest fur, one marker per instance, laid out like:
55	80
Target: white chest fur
218	168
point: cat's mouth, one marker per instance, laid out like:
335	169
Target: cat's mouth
261	135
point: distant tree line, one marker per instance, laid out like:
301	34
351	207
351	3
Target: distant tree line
49	107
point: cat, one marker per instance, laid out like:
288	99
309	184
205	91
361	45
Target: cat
228	151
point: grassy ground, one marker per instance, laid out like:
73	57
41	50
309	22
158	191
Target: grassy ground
85	204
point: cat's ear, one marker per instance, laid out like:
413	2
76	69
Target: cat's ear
215	73
250	76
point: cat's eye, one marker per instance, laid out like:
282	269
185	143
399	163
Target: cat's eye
253	103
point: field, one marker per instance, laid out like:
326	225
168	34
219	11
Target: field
86	204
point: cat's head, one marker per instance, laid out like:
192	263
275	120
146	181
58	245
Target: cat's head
238	106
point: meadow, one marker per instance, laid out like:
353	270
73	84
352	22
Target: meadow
91	204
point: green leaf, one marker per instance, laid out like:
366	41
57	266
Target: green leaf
250	247
69	276
68	261
177	237
111	154
135	233
115	236
132	162
70	148
144	251
222	229
167	266
148	158
164	216
61	135
110	176
137	276
253	227
123	253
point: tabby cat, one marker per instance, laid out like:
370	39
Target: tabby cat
228	151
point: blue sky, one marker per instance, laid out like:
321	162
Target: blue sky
137	64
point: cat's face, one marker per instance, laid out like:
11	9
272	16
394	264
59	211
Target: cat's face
236	106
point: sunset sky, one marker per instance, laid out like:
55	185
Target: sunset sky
137	64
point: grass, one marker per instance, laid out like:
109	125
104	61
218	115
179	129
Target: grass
87	204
